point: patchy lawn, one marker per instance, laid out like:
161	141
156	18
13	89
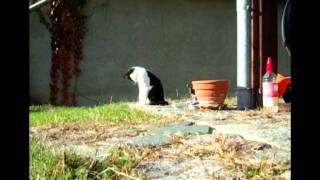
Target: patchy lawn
48	164
109	127
113	114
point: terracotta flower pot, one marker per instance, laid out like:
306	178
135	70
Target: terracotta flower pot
211	93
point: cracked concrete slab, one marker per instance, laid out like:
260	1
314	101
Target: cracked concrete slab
162	135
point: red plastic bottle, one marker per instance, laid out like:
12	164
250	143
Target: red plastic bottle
270	89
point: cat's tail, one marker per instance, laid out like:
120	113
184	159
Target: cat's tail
163	103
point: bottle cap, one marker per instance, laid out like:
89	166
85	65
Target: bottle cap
269	67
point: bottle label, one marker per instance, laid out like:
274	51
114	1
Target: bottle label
270	89
270	96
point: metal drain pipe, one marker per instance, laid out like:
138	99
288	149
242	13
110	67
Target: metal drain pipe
38	5
246	96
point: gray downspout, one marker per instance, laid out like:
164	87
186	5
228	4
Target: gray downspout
245	94
38	5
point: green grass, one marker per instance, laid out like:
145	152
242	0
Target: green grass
117	112
265	170
45	164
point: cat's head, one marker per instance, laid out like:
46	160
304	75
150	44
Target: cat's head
128	74
133	72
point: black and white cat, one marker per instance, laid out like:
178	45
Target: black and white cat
150	86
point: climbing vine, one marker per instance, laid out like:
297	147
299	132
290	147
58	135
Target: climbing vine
67	30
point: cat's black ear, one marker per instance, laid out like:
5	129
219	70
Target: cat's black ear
127	75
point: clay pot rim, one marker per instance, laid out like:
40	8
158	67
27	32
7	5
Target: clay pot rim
209	81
